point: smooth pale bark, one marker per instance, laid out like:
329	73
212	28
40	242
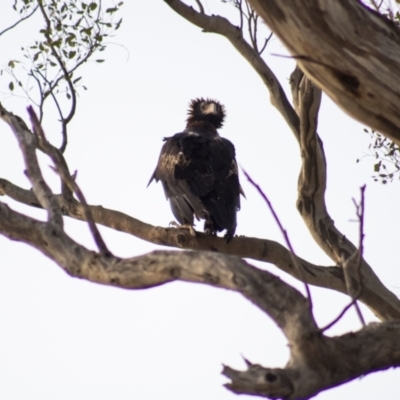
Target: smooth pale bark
350	51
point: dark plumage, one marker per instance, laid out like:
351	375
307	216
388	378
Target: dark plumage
198	171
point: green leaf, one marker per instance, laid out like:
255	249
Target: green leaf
11	86
92	6
100	61
118	24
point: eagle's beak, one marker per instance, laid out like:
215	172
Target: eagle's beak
210	109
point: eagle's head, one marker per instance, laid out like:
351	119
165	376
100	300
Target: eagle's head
206	110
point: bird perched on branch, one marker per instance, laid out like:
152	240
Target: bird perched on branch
199	173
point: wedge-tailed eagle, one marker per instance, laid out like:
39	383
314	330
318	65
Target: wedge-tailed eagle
199	173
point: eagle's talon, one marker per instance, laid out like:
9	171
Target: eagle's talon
188	227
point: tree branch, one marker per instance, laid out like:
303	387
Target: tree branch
28	144
265	290
350	51
331	362
385	307
312	186
66	75
63	172
15	24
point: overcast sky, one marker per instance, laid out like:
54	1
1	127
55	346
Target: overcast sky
64	338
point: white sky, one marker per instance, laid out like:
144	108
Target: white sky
63	338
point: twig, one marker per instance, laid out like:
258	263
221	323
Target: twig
239	6
18	22
285	235
201	8
265	43
360	209
66	76
325	328
360	214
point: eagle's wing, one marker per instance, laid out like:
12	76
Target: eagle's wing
184	204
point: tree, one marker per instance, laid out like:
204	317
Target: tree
316	361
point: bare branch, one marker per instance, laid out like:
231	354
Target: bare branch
354	286
385	306
19	21
27	142
377	343
63	172
265	43
312	183
265	290
285	236
201	8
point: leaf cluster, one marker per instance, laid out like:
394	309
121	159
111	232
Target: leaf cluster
387	157
71	33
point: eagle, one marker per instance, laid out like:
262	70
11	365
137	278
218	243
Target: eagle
199	173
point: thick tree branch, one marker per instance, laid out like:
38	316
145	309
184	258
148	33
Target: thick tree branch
28	144
63	171
350	51
312	186
331	362
244	247
273	296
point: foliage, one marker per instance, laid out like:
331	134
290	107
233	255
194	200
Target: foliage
71	33
383	150
387	156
